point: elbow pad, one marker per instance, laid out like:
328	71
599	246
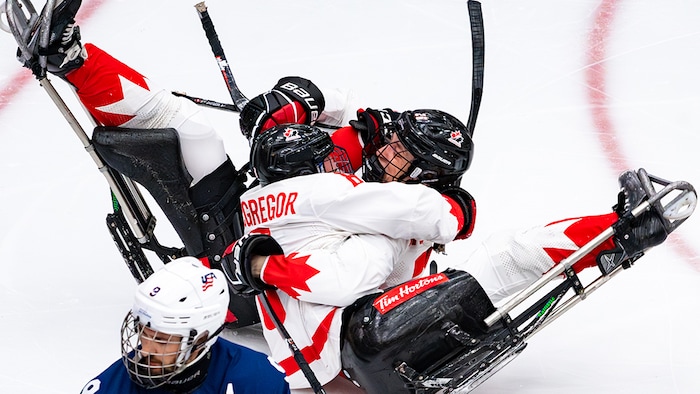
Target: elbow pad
462	201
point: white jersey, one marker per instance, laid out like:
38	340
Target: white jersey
343	238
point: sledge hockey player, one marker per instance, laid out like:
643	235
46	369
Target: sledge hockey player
303	209
117	95
506	265
97	78
326	248
170	340
166	144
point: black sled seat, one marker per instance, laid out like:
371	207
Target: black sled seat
393	342
152	158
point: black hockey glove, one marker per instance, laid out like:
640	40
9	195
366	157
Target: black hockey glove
370	121
291	100
468	205
237	265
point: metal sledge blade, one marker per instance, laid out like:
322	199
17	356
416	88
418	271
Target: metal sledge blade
22	14
28	27
682	195
683	202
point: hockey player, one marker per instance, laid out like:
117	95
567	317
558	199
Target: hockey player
199	195
305	210
326	247
119	96
170	340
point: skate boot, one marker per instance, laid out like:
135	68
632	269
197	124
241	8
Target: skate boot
64	52
633	236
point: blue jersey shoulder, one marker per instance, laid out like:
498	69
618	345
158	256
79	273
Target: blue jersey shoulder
233	368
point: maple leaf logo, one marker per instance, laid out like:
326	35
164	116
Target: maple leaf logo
289	273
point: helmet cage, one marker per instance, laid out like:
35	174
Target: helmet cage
184	302
142	369
440	144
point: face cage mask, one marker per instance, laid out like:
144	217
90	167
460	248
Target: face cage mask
399	168
139	365
337	161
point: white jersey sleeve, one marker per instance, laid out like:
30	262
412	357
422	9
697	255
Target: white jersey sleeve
303	209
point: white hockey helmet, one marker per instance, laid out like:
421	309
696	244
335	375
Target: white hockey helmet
178	304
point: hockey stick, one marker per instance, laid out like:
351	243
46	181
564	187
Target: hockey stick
478	48
298	356
207	102
239	100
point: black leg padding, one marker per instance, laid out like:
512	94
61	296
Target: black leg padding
152	158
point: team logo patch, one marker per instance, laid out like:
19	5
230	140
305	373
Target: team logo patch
208	281
402	293
456	138
291	134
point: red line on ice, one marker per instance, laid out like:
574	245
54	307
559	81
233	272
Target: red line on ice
22	77
597	96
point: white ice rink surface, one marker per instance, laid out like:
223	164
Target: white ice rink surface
575	92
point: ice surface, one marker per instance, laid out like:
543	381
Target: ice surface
574	93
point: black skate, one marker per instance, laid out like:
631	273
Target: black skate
634	234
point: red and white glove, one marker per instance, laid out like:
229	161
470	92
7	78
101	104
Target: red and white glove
291	100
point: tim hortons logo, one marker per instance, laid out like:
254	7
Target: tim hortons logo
402	293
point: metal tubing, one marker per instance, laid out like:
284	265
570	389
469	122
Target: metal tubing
556	271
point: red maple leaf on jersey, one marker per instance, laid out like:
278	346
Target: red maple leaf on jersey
109	89
289	273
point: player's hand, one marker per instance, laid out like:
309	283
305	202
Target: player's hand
291	100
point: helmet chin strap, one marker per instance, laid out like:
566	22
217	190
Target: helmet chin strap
191	377
411	174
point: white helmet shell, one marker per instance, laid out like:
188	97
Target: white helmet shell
184	296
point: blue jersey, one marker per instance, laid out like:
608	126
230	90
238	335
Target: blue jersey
234	369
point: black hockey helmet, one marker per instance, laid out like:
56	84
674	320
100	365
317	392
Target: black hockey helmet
289	150
440	145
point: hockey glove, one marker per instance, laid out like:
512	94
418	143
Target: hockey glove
291	100
460	199
370	122
237	265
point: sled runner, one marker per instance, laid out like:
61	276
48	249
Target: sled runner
441	333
